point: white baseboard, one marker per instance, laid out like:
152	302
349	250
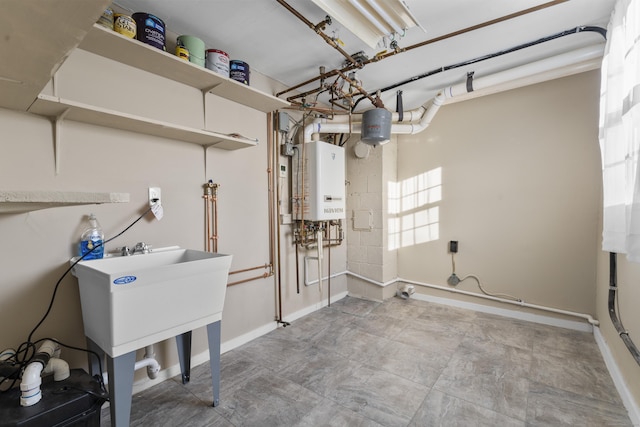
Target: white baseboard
618	379
530	317
308	310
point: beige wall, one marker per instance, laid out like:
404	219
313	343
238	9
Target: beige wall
520	191
35	247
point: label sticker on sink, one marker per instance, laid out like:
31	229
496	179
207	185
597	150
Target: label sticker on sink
124	280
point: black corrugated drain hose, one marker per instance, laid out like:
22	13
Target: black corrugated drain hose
617	323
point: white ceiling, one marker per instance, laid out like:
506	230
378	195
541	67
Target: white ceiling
276	43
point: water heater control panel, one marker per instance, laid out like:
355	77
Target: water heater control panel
318	172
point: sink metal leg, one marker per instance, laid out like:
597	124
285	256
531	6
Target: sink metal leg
94	366
184	355
121	370
213	334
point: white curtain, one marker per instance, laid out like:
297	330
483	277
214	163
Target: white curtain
620	131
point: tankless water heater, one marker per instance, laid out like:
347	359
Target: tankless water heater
323	178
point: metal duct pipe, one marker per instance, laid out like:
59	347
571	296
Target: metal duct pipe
535	72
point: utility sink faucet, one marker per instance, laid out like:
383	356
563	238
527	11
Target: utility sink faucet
141	248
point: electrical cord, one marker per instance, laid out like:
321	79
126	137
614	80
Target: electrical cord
98	378
55	289
455	280
26	350
497	295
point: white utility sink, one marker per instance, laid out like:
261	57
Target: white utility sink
129	302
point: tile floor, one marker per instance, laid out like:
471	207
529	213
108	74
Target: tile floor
397	363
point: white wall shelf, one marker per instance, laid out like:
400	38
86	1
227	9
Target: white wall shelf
112	45
54	107
26	201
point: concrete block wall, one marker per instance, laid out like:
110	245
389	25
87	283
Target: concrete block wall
368	251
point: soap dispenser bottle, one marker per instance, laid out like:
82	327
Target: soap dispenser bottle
92	239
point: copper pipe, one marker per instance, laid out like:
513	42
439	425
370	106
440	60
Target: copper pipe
437	39
263	276
353	83
318	30
299	106
321	76
214	203
301	200
250	269
466	30
207	225
211	225
271	206
359	88
334	72
340	105
276	206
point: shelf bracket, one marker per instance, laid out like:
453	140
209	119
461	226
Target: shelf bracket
205	91
54	86
57	129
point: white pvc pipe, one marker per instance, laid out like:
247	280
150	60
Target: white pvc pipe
375	282
59	368
31	380
7	354
584	316
149	360
152	365
320	256
419	119
308	282
528	70
408	116
30	384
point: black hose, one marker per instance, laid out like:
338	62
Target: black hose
617	323
599	30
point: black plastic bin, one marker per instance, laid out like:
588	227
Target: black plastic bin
75	402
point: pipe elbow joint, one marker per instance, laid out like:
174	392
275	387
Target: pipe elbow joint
153	370
30	384
440	99
59	368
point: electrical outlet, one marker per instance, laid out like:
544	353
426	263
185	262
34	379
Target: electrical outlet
155	193
453	246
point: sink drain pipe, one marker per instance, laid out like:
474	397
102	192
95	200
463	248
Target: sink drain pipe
148	361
